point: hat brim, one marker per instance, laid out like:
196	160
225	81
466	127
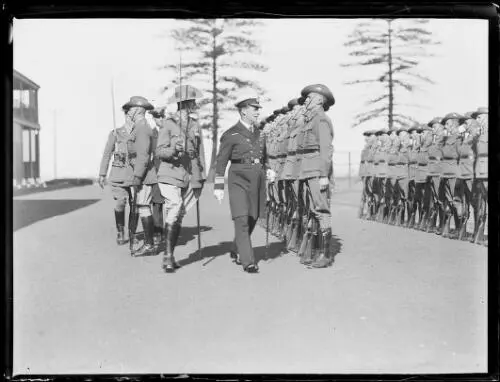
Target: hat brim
129	105
240	105
476	113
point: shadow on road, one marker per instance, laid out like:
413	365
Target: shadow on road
335	246
27	212
186	234
212	251
275	250
189	233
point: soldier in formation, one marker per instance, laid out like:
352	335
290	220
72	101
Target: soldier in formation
298	141
429	176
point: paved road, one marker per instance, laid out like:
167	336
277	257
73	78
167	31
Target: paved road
395	300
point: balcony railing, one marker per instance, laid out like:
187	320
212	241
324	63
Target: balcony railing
28	114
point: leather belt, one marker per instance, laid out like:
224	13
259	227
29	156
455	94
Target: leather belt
422	164
363	161
401	163
434	158
369	161
307	151
272	157
464	156
413	162
290	153
449	158
281	156
482	155
381	161
245	161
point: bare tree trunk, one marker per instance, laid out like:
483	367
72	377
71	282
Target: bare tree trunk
215	116
391	84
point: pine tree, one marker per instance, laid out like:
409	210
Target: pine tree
219	61
395	47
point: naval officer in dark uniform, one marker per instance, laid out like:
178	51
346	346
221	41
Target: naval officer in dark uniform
243	146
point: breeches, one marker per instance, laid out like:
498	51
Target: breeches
178	200
121	195
144	195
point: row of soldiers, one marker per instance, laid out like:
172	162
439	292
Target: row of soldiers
159	172
298	140
424	176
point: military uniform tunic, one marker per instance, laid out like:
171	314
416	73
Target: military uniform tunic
291	152
450	156
393	158
423	160
381	161
481	165
413	161
122	172
317	147
466	153
246	180
179	168
362	164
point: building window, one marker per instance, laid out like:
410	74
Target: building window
25	98
33	145
17	99
26	145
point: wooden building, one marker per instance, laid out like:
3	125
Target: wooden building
26	133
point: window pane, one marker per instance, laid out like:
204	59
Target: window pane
33	146
17	99
26	145
25	98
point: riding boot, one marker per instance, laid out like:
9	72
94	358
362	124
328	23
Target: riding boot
120	227
298	234
462	231
324	259
148	248
392	212
441	220
456	218
304	250
176	229
168	258
445	231
423	218
412	214
369	210
133	220
431	222
479	236
399	215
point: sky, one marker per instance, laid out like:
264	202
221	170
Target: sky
74	62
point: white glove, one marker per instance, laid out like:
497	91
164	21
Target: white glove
271	175
219	195
323	183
